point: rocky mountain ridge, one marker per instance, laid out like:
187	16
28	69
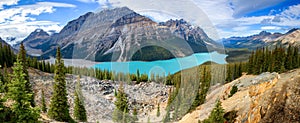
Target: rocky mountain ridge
117	34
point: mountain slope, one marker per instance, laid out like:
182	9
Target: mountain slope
119	34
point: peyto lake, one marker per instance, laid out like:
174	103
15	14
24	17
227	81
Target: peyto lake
163	66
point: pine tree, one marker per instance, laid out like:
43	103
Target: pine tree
289	58
2	83
216	115
44	107
5	112
250	63
59	108
229	74
79	109
158	110
138	80
121	105
18	92
167	117
295	57
23	61
233	90
135	113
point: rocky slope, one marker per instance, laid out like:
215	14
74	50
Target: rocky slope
117	34
268	97
264	38
292	37
99	96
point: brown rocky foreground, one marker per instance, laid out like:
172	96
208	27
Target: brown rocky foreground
269	97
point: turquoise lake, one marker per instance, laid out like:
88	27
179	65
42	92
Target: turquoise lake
163	66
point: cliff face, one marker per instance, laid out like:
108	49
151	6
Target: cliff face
269	97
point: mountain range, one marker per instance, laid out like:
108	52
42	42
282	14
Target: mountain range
120	34
264	38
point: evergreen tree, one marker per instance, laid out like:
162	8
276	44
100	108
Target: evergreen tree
23	61
21	97
121	105
138	80
2	84
167	117
79	109
59	108
44	107
233	90
295	58
135	113
158	110
229	74
289	58
216	115
4	111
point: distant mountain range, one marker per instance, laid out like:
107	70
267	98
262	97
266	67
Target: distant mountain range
120	34
263	39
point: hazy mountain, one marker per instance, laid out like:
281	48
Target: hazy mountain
264	39
121	34
251	42
36	38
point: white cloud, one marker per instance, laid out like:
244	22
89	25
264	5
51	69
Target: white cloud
271	28
102	3
18	22
22	30
242	7
8	2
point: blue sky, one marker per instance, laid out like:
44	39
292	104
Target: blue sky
219	18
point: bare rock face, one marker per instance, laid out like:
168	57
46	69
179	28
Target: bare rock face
99	95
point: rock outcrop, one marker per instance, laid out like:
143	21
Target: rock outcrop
269	97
